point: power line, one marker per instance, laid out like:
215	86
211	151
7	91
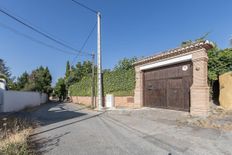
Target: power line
91	32
38	31
47	35
35	40
85	42
41	29
84	6
93	11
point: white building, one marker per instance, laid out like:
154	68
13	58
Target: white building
2	84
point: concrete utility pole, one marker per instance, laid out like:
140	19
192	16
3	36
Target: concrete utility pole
99	63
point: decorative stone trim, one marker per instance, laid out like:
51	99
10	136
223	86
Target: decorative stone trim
167	62
173	52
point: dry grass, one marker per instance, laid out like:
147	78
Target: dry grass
218	119
212	124
14	133
16	144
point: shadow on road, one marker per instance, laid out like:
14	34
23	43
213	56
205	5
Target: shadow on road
50	117
66	124
56	112
44	145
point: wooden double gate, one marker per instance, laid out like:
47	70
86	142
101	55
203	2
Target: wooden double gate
169	87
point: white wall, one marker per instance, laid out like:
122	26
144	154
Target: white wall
16	100
1	100
43	98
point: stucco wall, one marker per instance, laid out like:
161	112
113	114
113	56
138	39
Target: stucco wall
13	101
43	98
225	98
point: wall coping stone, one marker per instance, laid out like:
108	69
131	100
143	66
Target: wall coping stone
177	51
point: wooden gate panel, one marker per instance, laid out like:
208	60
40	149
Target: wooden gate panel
187	82
158	91
175	95
168	87
147	93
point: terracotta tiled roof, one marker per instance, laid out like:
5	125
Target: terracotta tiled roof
198	45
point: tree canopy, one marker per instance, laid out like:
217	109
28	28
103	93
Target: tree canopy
68	69
60	89
22	81
6	74
76	73
125	64
4	70
39	80
220	61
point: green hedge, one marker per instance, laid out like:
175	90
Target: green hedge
119	83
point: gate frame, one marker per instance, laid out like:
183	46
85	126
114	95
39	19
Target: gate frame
199	91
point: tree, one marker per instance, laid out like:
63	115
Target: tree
11	85
60	89
68	70
125	64
76	73
6	74
40	80
22	81
220	61
4	69
86	68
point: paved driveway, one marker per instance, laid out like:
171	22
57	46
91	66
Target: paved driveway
68	129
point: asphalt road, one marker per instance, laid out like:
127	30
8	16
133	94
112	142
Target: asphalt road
68	129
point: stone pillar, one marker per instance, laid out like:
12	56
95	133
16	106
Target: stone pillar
200	89
138	92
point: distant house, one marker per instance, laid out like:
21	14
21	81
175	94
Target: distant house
3	85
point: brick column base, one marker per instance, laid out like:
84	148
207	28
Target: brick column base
199	101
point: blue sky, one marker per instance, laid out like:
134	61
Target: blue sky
129	28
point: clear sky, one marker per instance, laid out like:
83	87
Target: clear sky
129	28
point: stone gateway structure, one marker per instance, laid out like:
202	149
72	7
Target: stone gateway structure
175	79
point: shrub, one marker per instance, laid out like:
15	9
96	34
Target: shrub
82	88
220	62
118	82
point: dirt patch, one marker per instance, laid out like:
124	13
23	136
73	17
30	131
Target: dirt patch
218	119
